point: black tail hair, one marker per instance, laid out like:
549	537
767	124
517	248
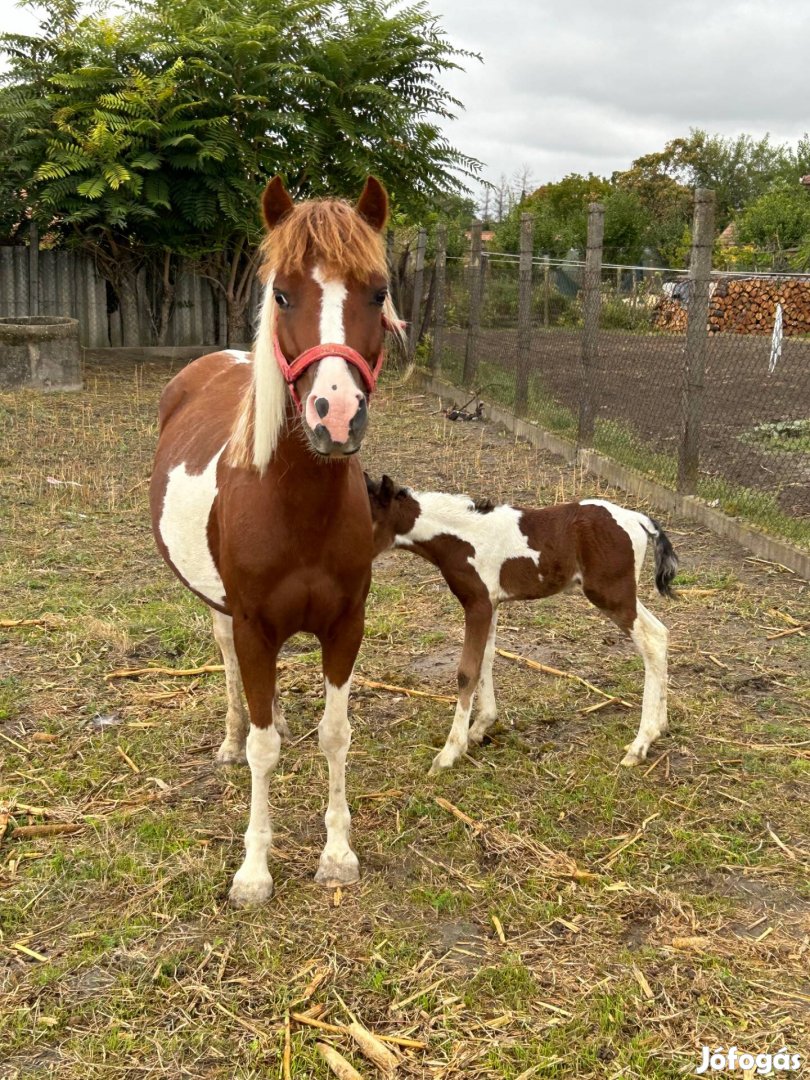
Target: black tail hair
666	561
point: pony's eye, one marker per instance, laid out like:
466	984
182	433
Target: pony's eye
380	297
281	299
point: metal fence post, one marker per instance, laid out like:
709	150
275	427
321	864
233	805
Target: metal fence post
700	269
418	287
590	311
476	283
438	319
524	339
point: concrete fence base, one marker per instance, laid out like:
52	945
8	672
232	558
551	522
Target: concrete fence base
766	547
40	352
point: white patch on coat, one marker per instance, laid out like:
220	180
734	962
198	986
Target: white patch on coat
238	356
495	536
184	527
637	526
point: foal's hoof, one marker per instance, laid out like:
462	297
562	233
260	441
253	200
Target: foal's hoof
230	753
338	871
250	892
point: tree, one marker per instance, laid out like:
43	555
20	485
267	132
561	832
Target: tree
777	220
149	136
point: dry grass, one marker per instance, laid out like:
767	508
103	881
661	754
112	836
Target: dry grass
535	912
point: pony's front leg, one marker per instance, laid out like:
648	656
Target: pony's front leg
487	707
477	620
252	882
338	864
237	720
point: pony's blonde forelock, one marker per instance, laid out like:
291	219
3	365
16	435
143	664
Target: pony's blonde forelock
330	233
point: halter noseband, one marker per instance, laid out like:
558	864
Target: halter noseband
293	371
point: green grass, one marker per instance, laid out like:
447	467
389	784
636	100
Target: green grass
148	972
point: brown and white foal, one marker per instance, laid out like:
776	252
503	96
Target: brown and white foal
489	554
260	507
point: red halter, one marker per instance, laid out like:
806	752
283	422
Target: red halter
293	371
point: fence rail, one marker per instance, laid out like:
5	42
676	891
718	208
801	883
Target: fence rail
583	348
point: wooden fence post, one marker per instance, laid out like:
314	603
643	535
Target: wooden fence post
438	320
546	288
418	288
524	338
33	270
700	269
475	280
590	311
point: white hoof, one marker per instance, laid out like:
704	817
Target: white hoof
634	756
250	892
230	753
478	731
337	871
443	760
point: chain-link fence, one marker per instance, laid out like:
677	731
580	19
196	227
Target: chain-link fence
697	379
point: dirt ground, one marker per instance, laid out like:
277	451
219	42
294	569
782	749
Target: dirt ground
637	381
535	912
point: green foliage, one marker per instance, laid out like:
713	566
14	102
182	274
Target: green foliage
778	219
156	130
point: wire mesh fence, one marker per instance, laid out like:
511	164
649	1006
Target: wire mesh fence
695	382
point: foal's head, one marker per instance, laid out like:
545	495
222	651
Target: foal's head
323	321
393	511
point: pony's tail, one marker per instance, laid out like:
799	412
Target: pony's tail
666	561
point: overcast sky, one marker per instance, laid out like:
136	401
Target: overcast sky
587	86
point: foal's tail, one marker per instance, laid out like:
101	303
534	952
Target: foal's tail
666	561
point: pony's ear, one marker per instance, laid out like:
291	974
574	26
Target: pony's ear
373	204
276	203
371	485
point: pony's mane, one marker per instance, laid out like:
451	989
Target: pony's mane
324	232
328	232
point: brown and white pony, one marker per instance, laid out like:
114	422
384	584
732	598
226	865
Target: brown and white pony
488	554
260	507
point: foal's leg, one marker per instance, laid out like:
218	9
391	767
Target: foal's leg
487	708
338	864
252	882
477	621
237	720
650	638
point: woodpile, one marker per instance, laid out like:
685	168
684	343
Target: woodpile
746	306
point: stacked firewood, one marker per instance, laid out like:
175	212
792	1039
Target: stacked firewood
746	306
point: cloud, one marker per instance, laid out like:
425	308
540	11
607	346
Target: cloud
588	86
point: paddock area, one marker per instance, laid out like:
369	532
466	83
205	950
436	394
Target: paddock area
534	911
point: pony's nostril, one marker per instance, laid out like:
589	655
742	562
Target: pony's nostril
322	407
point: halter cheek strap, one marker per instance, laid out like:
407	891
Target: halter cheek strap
293	371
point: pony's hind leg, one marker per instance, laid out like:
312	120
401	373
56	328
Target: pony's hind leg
477	619
487	711
651	639
338	864
237	720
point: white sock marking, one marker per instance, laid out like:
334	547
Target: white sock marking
252	881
